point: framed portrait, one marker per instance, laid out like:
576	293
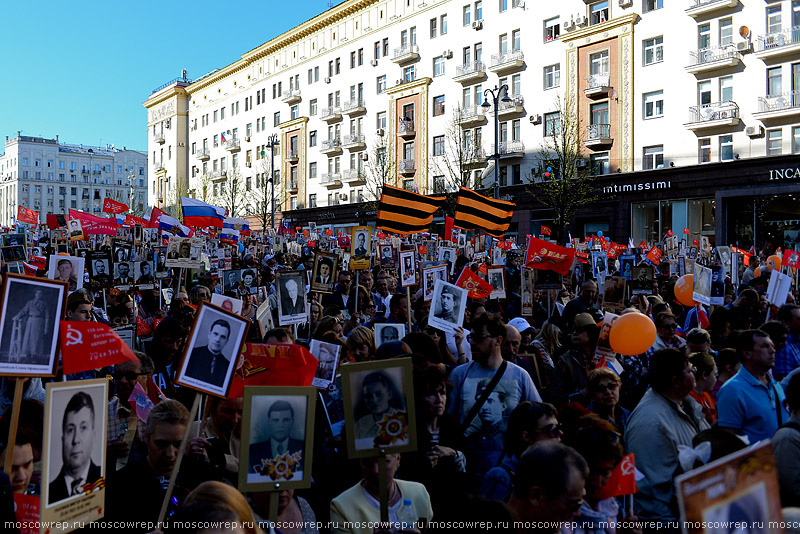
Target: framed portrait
73	459
123	274
642	277
14	253
210	356
333	406
67	269
447	254
144	275
702	284
497	256
526	291
75	230
681	265
248	284
599	265
360	247
264	317
388	332
496	277
184	252
29	321
14	240
447	307
291	297
547	279
379	407
717	295
614	292
603	349
137	233
387	255
408	271
430	274
462	240
230	279
121	250
227	303
626	264
278	425
98	263
691	253
323	276
328	356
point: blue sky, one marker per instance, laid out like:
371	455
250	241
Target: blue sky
81	69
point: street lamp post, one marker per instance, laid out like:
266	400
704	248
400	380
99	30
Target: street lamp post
498	94
272	142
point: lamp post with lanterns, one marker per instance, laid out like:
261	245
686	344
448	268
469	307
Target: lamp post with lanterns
272	142
498	94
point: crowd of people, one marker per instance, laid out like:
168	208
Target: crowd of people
517	420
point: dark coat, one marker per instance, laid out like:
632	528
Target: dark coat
58	490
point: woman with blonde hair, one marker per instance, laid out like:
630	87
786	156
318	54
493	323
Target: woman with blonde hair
217	493
361	344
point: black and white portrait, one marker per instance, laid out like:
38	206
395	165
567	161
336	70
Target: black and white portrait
75	230
701	292
29	323
248	285
496	278
67	269
717	285
387	255
160	254
14	240
184	252
626	264
447	306
642	280
122	251
99	267
599	265
291	298
388	332
447	254
74	454
144	274
137	233
230	279
360	243
123	273
323	276
430	274
13	253
328	356
214	344
408	272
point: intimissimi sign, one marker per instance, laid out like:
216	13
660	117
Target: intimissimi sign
643	186
784	174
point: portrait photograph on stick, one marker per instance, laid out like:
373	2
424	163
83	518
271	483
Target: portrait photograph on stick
430	274
278	425
291	297
408	271
360	247
67	269
212	349
387	255
497	279
31	311
323	279
447	307
388	332
328	356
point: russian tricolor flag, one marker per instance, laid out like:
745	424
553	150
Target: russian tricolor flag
199	214
169	223
236	223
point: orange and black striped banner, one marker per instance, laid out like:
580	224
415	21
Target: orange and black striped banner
403	212
477	212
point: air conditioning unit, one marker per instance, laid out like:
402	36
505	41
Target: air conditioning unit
581	21
725	114
625	3
580	163
447	54
569	26
754	131
477	25
743	46
535	119
380	132
373	62
247	138
327	79
248	164
364	156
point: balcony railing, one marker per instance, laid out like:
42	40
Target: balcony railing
714	112
291	96
353	106
598	80
331	179
232	144
352	140
721	56
292	156
781	102
293	185
96	172
778	42
159	138
407	166
331	113
409	52
598	131
354	175
331	144
472	114
157	165
405	127
514	104
511	148
507	61
469	71
700	7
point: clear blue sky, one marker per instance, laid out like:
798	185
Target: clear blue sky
82	69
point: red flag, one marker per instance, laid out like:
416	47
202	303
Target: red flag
39	262
615	249
622	480
55	222
791	258
545	230
274	365
344	241
478	288
131	220
27	216
155	215
582	257
483	269
112	206
30	270
89	345
643	245
448	228
548	256
686	231
329	232
669	232
423	250
654	255
93	225
696	243
505	245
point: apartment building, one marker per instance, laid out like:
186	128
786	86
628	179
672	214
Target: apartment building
667	95
49	176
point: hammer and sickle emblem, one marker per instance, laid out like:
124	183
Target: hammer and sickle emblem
627	466
74	337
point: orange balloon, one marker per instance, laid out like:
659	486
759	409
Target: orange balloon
632	334
757	272
775	262
683	290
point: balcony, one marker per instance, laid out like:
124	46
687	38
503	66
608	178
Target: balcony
157	166
292	96
597	85
96	172
331	146
779	106
354	142
474	158
332	114
405	128
511	149
598	135
354	176
203	154
702	7
710	59
292	156
84	171
472	116
515	106
218	176
778	44
716	115
405	54
331	181
292	185
508	62
407	166
353	107
471	72
233	145
159	138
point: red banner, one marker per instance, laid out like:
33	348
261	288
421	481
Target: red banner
155	215
27	511
615	249
477	287
130	220
791	258
93	225
112	206
274	365
54	222
24	215
448	228
505	245
89	345
654	255
40	262
643	245
548	256
622	480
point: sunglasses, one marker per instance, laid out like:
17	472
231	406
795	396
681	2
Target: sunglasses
552	431
572	504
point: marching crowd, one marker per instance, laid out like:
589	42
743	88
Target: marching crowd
516	420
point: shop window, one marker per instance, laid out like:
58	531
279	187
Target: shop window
704	150
726	148
653	157
774	142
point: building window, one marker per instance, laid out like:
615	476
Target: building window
796	140
774	82
552	76
599	163
467	15
276	118
438	145
295	111
774	142
503	5
598	12
516	42
312	138
438	105
598	113
704	150
293	203
774	18
409	74
438	66
516	86
726	89
434	27
312	107
653	50
408	185
653	157
703	36
443	25
654	104
552	29
726	148
380	120
652	5
598	63
312	200
552	123
725	31
479	10
312	169
381	84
